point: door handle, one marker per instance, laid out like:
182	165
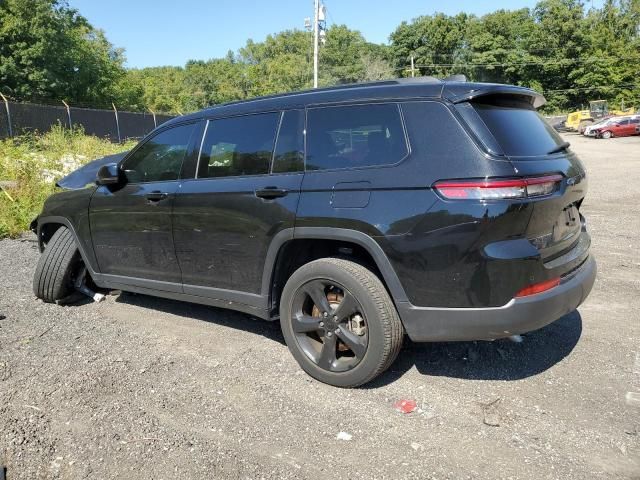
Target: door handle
156	196
271	192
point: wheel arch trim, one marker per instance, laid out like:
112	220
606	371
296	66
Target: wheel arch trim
329	233
42	221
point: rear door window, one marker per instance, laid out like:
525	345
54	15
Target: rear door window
355	136
238	146
519	130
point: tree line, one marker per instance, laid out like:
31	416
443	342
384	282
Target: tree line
570	53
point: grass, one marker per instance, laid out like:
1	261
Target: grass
35	162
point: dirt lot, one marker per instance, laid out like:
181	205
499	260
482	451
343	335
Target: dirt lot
138	387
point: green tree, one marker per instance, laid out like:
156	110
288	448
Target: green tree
279	64
496	46
163	88
437	43
557	45
48	50
613	68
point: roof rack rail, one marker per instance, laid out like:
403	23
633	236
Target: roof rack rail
423	79
376	83
457	77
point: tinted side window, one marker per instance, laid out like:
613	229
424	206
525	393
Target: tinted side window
289	152
354	136
160	158
238	146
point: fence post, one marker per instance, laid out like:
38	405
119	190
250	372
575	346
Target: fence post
66	105
6	106
154	118
117	121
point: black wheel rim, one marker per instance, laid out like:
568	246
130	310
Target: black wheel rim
329	325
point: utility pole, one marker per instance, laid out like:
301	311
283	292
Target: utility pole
413	70
316	8
318	28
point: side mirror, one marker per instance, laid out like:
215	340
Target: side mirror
108	174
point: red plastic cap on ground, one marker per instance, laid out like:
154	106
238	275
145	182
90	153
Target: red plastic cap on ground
405	406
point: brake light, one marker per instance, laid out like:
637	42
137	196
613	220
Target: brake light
538	287
497	189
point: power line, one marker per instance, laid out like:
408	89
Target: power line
599	87
522	64
329	13
503	50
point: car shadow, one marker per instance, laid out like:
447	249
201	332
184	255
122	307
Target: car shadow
497	360
219	316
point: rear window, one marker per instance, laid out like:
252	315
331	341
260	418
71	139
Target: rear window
519	131
238	146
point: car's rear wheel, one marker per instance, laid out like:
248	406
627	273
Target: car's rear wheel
339	322
606	134
60	261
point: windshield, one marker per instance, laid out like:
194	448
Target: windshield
520	131
606	122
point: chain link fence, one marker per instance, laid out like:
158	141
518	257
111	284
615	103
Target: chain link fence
18	118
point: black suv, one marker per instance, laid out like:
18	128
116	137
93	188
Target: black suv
444	209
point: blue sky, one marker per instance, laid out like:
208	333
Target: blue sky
169	32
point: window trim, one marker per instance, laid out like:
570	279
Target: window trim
153	135
275	143
304	142
225	117
358	104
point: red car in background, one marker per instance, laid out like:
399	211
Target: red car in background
620	128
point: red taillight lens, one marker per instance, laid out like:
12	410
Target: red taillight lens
538	287
497	189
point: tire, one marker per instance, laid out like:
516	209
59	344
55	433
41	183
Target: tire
359	338
606	135
53	279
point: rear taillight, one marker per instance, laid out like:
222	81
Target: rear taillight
538	287
497	189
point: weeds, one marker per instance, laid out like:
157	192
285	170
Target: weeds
35	162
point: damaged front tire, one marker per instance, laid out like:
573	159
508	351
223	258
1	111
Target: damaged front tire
54	276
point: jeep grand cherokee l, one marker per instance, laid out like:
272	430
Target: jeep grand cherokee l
445	210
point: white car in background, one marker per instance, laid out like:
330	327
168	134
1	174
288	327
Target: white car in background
590	130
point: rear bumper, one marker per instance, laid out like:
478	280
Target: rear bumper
520	315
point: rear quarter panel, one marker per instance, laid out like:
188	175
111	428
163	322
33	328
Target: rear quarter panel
434	246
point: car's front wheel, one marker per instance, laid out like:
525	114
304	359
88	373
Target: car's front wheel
339	322
60	261
606	135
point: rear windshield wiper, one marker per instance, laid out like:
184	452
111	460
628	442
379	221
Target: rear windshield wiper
559	148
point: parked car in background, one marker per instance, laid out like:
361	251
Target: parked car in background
620	127
579	120
590	130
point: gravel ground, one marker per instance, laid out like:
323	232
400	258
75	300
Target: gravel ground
138	387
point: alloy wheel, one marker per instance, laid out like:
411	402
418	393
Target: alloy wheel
329	325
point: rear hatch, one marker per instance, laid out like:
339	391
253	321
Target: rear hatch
510	127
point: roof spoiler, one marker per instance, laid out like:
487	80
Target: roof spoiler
459	93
